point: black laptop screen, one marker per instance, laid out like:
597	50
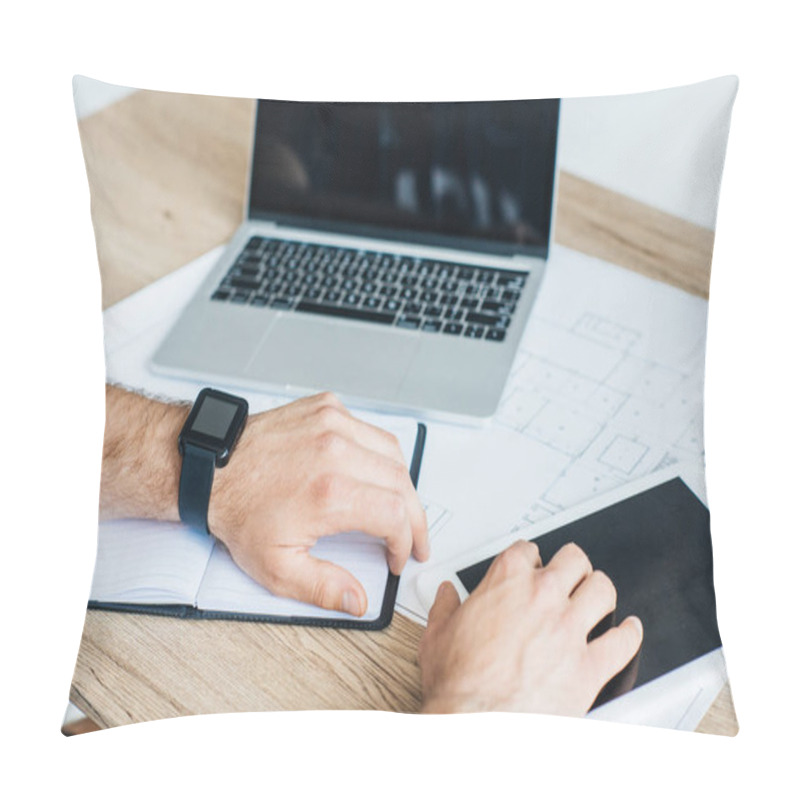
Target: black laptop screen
471	174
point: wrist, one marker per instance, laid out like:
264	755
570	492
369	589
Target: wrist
141	463
222	504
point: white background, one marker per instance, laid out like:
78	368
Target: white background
53	397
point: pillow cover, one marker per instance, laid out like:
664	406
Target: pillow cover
604	402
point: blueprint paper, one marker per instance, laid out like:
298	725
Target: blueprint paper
607	387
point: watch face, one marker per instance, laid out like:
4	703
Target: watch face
214	417
215	422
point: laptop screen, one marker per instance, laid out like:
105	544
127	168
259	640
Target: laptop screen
475	175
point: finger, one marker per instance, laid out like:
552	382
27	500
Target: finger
444	605
371	467
346	504
297	574
330	414
367	466
570	565
594	599
612	651
520	557
377	439
421	547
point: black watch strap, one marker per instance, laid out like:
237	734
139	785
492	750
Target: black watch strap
194	492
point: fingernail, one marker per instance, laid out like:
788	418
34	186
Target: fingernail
350	604
638	624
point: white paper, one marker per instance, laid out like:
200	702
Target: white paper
149	562
226	588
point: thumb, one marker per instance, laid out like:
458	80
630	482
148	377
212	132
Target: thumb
303	577
444	605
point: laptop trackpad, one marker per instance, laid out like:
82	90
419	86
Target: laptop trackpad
311	353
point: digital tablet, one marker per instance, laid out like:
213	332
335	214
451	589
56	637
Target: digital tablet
652	538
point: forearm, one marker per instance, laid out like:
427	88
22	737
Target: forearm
141	464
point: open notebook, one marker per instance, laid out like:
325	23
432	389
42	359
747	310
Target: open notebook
170	569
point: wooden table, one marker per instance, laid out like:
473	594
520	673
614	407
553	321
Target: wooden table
168	179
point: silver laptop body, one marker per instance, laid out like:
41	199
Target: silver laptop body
451	256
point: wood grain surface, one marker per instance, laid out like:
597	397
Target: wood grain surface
168	176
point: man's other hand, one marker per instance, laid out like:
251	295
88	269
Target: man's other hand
519	642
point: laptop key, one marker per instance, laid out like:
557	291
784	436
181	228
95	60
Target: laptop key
476	318
282	303
244	283
453	327
511	279
361	314
409	322
391	305
259	300
474	332
221	294
431	325
495	335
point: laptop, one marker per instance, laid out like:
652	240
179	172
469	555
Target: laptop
391	253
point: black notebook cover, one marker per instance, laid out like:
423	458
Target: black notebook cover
191	612
656	548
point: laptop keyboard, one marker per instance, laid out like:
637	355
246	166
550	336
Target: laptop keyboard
440	297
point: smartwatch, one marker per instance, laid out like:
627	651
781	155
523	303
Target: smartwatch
206	441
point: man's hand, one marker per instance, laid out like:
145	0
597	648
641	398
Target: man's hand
519	642
306	470
300	472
